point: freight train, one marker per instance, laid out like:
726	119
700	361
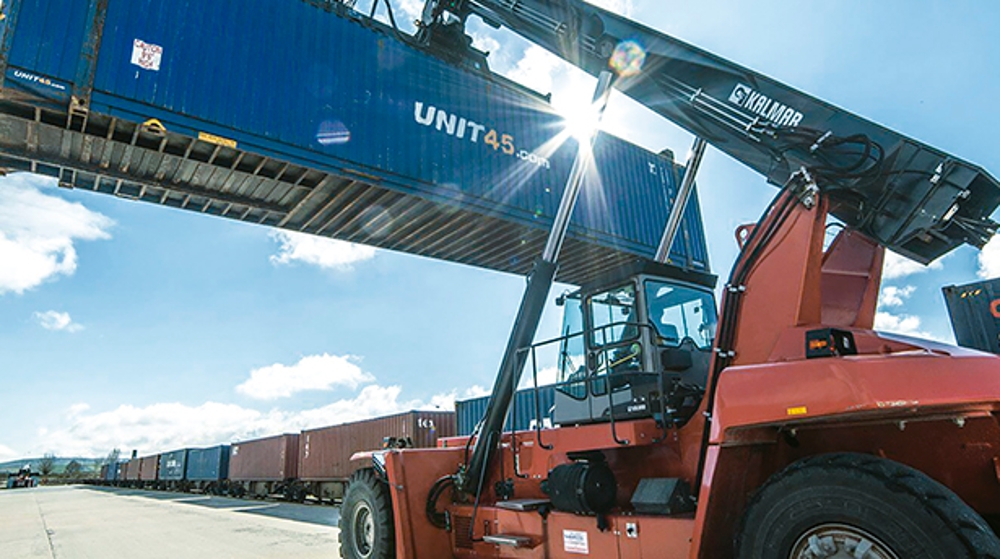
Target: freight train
315	463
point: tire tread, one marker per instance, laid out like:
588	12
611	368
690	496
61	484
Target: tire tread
967	525
382	505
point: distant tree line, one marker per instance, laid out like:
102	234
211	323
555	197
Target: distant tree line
48	467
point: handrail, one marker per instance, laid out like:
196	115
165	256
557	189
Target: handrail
602	373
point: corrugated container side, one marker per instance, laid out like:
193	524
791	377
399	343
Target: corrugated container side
104	472
149	467
116	470
352	101
521	416
975	314
173	465
132	469
268	459
325	453
110	472
207	464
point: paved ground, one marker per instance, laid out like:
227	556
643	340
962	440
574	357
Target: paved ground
80	522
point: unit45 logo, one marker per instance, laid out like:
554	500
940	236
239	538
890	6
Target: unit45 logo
462	128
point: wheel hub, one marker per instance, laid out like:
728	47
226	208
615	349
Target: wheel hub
839	541
364	530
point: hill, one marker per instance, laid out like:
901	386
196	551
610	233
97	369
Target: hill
13	466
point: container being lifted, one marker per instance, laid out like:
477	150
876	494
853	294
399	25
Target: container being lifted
345	131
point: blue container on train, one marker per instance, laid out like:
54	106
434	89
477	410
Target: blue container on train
470	412
208	464
290	79
173	465
111	474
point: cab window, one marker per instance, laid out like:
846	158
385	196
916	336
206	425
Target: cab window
572	358
681	313
613	316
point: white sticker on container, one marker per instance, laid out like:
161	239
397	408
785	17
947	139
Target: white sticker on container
575	541
146	55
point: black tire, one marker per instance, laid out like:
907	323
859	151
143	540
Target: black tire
295	493
366	529
838	499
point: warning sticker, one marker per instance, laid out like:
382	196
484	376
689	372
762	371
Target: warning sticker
146	55
575	541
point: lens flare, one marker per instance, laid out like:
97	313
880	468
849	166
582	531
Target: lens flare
627	58
377	222
582	123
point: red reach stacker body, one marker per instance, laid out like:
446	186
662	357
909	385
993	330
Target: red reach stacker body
781	427
927	406
784	427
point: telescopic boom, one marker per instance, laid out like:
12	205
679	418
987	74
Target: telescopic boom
912	198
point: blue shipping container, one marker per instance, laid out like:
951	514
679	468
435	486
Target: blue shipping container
337	93
208	464
523	412
111	474
974	309
173	465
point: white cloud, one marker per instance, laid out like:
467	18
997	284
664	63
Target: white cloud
446	401
899	322
485	43
156	428
896	266
905	324
77	409
313	372
892	296
620	7
536	69
53	320
38	231
166	426
989	259
411	10
372	401
546	375
326	253
7	453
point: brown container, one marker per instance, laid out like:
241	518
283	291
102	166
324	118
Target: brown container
132	470
270	459
325	453
148	467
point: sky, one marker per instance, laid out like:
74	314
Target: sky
133	326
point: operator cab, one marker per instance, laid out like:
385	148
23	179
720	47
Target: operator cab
636	344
